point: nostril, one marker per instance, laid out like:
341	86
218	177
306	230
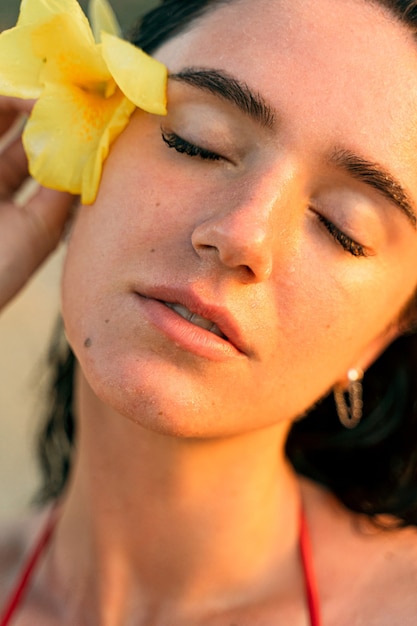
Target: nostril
248	273
203	247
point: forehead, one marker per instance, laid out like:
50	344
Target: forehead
347	64
255	35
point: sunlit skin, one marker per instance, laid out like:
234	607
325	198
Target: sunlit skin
243	232
182	509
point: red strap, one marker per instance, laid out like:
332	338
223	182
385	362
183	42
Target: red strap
26	575
306	558
309	574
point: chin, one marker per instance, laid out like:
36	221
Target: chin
170	392
155	395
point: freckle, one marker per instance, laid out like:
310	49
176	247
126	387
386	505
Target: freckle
160	413
106	321
152	249
87	342
158	204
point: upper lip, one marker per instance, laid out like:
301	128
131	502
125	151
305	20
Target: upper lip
216	313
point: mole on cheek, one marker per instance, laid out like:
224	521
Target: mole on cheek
87	342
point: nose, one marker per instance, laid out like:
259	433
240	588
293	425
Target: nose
240	237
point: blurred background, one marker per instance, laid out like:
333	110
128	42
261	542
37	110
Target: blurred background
25	328
126	10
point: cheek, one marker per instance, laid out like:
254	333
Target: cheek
327	314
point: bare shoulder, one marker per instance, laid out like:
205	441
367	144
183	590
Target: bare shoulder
16	539
366	574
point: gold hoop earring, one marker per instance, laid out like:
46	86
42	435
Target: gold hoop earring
350	414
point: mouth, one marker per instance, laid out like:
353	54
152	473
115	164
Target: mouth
195	319
205	327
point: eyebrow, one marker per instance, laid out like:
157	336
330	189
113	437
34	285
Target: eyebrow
238	93
377	177
230	89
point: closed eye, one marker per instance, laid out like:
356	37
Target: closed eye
172	140
185	147
350	245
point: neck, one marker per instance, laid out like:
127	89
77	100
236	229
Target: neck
183	520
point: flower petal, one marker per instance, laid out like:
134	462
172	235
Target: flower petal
141	78
53	42
68	56
69	134
19	68
33	12
102	18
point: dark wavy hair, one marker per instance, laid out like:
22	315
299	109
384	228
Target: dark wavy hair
372	469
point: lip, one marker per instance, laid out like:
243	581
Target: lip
186	334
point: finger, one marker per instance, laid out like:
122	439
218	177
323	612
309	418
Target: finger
7	120
49	211
15	105
28	234
13	168
11	109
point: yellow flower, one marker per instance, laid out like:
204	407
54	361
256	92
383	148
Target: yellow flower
86	90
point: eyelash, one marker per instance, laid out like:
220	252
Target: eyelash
353	247
185	147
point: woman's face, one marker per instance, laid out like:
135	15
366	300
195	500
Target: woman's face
277	218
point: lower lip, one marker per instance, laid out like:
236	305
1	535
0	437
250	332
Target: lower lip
184	334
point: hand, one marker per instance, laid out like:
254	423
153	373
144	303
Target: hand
30	229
